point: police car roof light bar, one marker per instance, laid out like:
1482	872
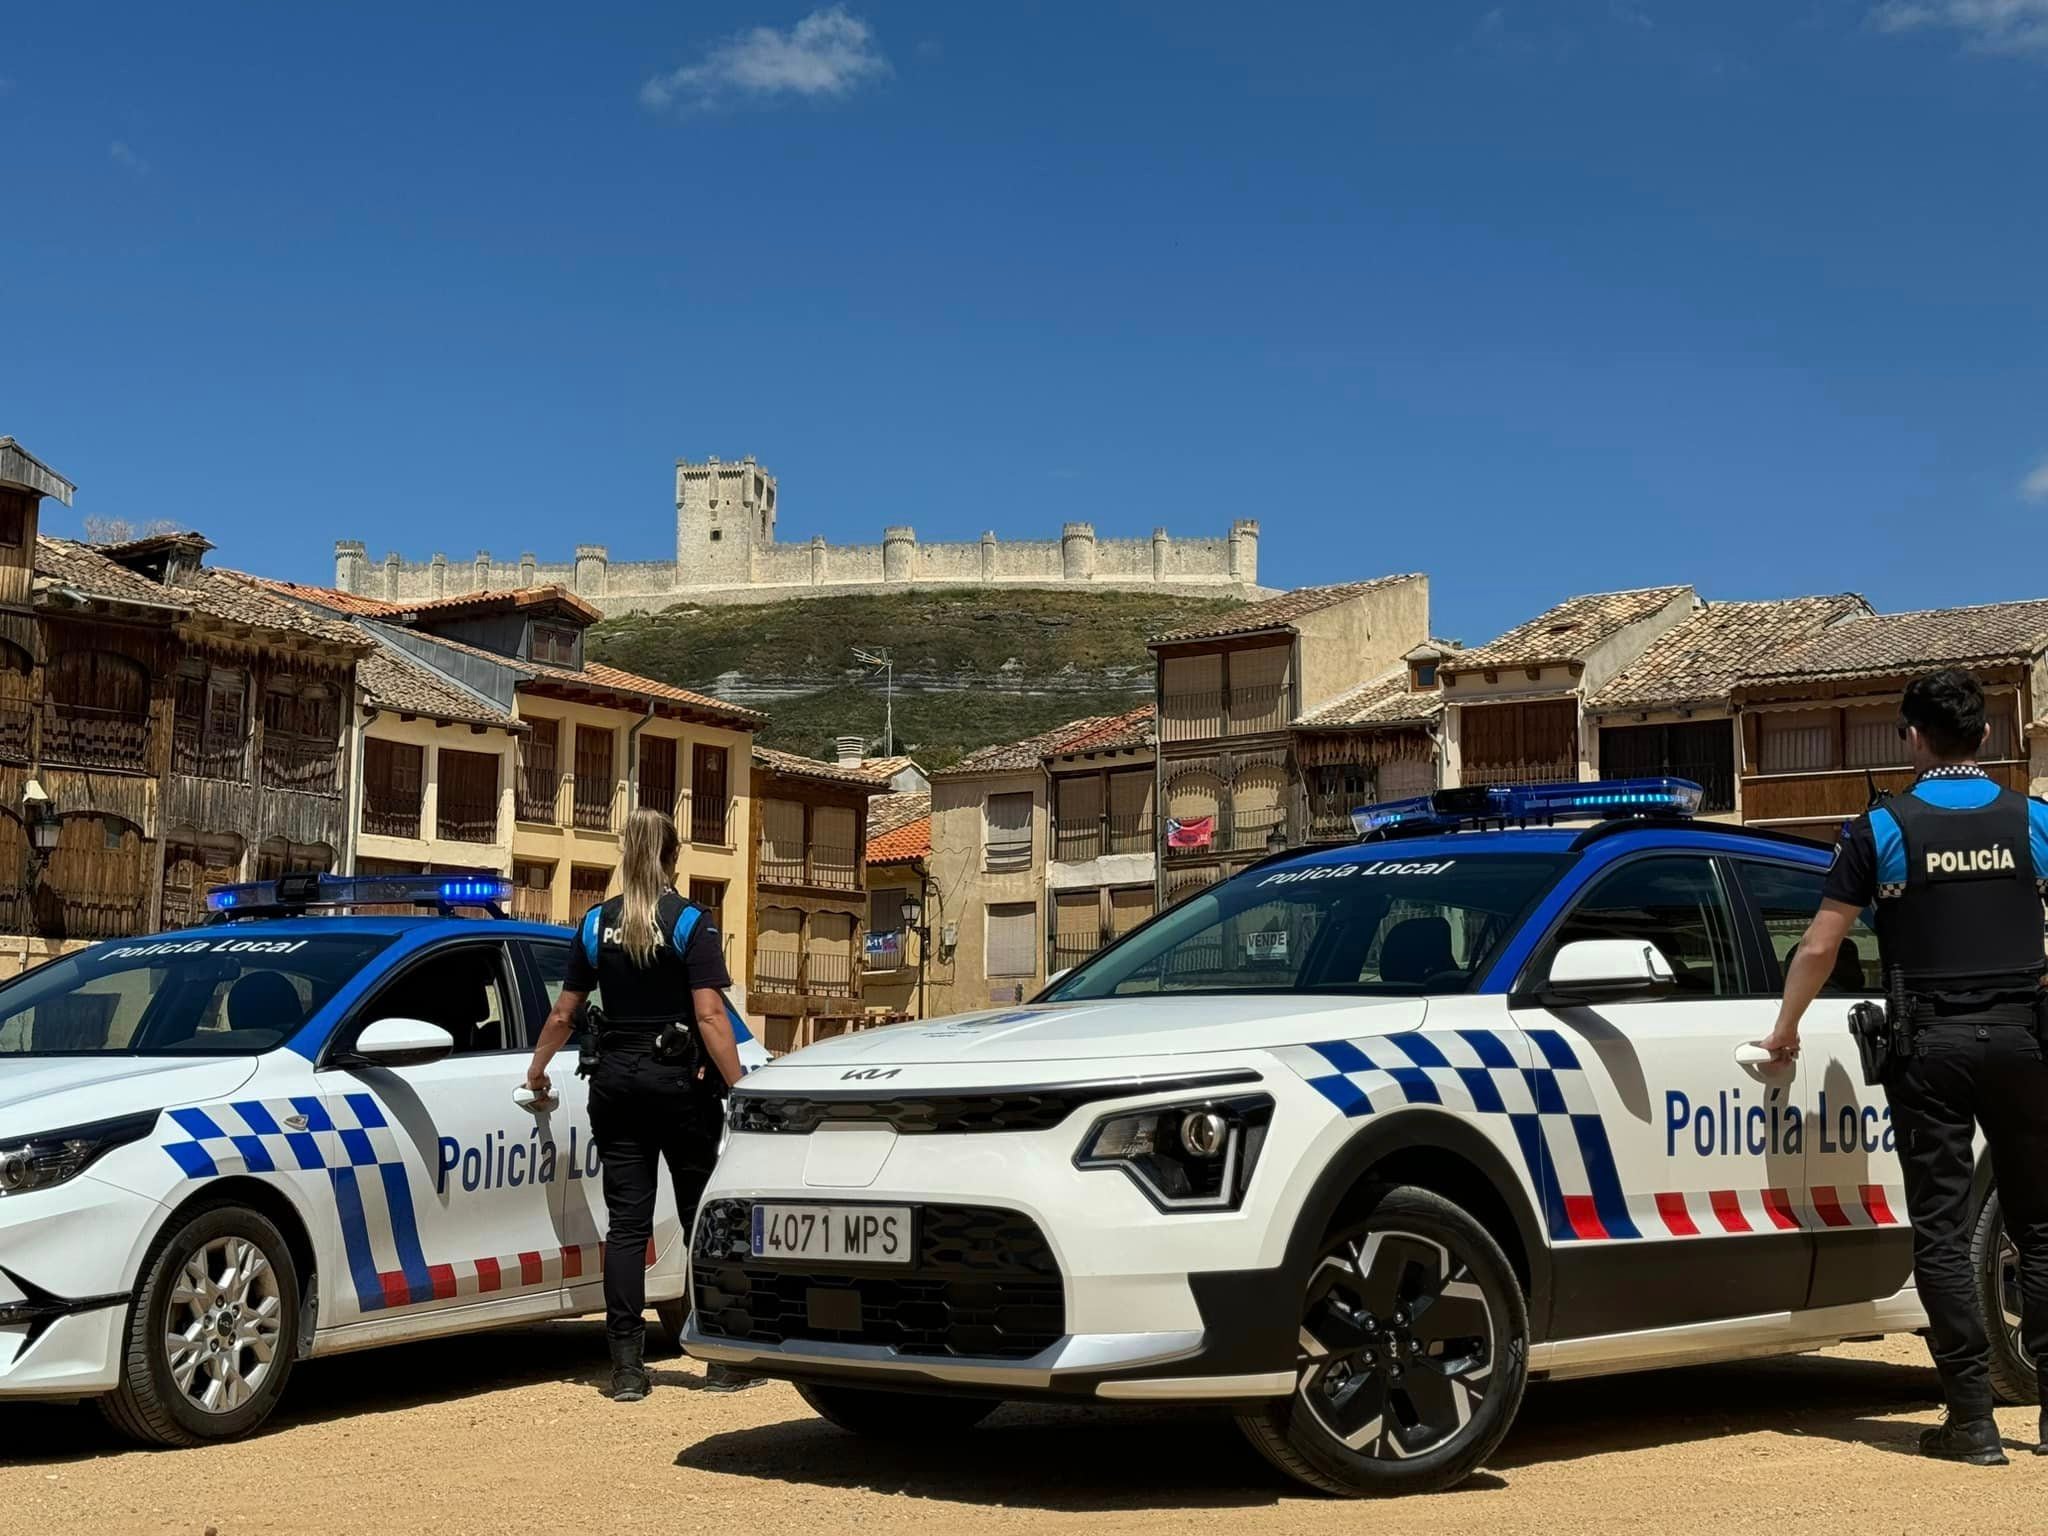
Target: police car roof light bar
295	893
1504	805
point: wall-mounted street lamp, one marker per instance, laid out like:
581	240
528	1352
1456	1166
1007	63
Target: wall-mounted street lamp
913	922
1276	840
39	816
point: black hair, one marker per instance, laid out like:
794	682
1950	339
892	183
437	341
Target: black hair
1946	707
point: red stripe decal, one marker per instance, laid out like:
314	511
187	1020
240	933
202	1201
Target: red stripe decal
396	1292
443	1278
1728	1211
487	1277
1828	1206
1584	1216
1779	1208
529	1269
1877	1207
1676	1217
572	1263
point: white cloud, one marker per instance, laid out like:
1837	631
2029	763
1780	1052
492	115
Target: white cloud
1996	26
2035	486
829	53
123	156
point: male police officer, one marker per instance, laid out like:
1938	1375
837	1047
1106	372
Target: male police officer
1957	868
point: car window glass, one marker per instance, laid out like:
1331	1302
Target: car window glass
1673	901
551	964
464	991
1787	898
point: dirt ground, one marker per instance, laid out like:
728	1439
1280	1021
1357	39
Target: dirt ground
507	1432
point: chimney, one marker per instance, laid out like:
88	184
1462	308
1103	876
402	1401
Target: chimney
852	749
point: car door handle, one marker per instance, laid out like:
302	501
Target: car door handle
528	1100
1751	1054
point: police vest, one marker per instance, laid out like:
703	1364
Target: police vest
1966	924
637	997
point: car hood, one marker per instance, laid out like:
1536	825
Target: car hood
48	1093
1118	1027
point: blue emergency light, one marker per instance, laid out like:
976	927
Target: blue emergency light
295	893
1485	805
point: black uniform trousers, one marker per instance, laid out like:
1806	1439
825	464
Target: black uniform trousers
1963	1074
645	1112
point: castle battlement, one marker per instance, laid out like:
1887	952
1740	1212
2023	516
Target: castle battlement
727	552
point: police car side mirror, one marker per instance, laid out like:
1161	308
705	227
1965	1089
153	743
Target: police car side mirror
1607	971
398	1043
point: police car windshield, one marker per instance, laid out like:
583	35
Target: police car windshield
1378	924
225	994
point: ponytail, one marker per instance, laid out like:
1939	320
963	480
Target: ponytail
647	868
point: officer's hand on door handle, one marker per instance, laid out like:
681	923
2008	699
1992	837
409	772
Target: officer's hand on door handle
1779	1047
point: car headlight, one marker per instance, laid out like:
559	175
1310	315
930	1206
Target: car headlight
40	1161
1196	1156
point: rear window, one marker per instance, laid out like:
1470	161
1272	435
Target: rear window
1375	926
234	995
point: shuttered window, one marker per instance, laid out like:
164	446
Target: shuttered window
1013	939
782	840
1801	741
1008	832
1870	738
1129	908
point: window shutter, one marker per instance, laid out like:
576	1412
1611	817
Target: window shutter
1013	939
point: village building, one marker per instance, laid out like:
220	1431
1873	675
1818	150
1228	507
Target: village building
1672	711
1228	693
1820	718
1378	741
899	851
810	893
593	743
1102	864
1514	708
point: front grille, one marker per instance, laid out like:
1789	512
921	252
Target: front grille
981	1111
985	1286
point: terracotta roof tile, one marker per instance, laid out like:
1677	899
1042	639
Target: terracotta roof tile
899	828
1701	659
331	597
395	681
1094	733
506	601
817	768
1888	644
1277	612
1385	700
1571	631
234	598
84	569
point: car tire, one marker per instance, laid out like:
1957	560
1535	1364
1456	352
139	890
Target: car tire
884	1415
1995	1262
222	1279
1414	1353
672	1317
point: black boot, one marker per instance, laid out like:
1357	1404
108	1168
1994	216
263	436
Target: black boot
629	1376
1973	1440
723	1378
2041	1445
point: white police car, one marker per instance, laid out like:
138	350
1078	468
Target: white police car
226	1149
1357	1142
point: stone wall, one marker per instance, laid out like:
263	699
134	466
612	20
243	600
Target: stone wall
726	552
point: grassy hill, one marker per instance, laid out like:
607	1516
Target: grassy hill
972	667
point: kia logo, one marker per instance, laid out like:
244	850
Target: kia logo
868	1074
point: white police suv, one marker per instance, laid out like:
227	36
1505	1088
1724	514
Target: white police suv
1357	1142
287	1134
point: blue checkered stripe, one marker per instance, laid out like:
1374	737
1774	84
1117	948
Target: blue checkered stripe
346	1137
1549	1104
282	1136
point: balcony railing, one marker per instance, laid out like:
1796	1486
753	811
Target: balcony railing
1557	770
200	756
538	789
818	864
535	904
1070	949
1073	842
87	737
705	821
807	973
1224	712
1234	832
594	806
389	812
466	820
61	915
17	727
306	766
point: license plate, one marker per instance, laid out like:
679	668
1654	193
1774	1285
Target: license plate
845	1234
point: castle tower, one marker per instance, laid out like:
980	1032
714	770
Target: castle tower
351	565
725	513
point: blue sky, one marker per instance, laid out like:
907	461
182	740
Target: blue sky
1538	297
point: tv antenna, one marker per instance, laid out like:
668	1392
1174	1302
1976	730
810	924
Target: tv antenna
880	661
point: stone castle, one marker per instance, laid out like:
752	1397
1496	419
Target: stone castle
726	553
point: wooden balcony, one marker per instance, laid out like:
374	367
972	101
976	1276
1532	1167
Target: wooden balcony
1224	713
1074	843
389	812
805	973
817	866
466	819
300	764
538	791
17	730
1840	794
82	736
200	756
